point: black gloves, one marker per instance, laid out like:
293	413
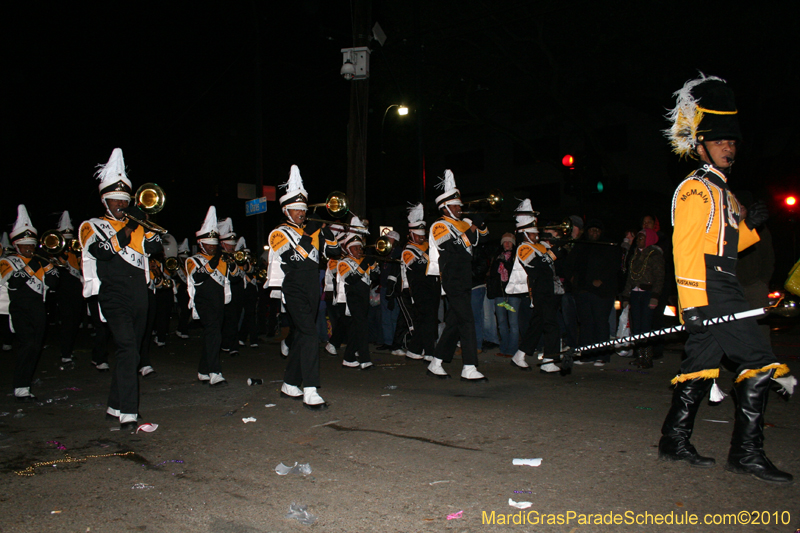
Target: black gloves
757	214
478	219
693	320
214	261
312	226
35	264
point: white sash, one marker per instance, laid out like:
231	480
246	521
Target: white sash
518	280
91	283
33	283
215	274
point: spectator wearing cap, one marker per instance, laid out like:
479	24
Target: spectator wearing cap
594	281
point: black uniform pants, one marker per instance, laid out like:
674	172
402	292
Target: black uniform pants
741	340
301	293
424	313
250	304
164	302
358	327
459	325
29	319
544	322
71	310
210	304
184	312
147	340
124	307
101	333
233	314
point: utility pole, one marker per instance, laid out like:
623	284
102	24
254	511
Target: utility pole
359	107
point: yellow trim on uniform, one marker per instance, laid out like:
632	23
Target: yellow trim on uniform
780	370
713	112
711	373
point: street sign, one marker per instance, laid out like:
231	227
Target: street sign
254	207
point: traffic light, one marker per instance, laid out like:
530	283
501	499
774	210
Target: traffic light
568	161
790	201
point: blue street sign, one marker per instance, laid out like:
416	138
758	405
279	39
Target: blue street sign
254	207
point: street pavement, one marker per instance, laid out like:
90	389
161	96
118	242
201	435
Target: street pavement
397	450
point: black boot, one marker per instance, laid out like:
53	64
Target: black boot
747	444
677	429
646	358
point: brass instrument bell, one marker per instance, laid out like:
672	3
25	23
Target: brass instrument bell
336	204
150	198
171	264
494	199
383	246
53	242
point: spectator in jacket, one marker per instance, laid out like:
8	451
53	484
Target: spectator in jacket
505	306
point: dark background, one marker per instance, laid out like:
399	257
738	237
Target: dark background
499	92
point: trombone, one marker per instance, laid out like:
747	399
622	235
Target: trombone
336	204
494	199
150	198
383	246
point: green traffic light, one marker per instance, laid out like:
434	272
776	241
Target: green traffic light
599	186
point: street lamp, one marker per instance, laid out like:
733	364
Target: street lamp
401	110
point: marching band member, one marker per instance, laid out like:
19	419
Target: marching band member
451	241
27	278
295	249
250	297
209	290
709	232
533	273
336	310
355	275
155	284
5	331
233	310
181	291
116	270
69	296
421	290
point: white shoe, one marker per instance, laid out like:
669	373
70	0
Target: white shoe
66	360
102	367
435	369
366	365
241	343
399	351
547	360
350	364
312	400
145	370
470	373
159	343
290	391
578	362
112	412
226	350
428	357
284	349
181	335
204	378
599	363
254	345
331	349
216	380
412	355
128	421
22	392
549	367
519	360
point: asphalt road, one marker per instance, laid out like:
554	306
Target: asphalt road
396	451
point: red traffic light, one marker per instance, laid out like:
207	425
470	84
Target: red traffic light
791	201
568	161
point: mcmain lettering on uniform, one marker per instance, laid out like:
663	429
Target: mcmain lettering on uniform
695	192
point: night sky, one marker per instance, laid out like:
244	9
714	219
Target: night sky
173	84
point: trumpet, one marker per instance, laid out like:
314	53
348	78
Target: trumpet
150	198
171	264
495	200
261	275
383	246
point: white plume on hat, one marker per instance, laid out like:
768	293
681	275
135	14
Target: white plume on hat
240	244
451	195
293	188
4	242
526	222
23	224
208	232
686	117
183	247
65	224
225	229
170	246
416	222
112	173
